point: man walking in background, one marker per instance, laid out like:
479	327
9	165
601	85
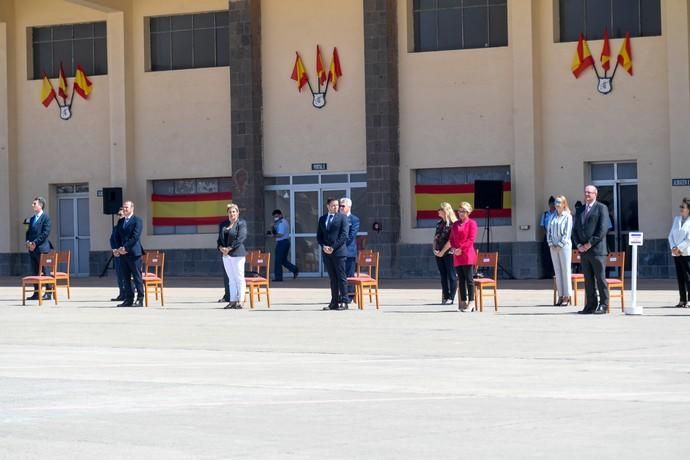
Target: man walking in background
281	232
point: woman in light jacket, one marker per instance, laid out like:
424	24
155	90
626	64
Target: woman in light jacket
679	242
231	246
462	236
559	238
444	258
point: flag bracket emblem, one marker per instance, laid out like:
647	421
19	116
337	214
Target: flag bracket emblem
324	79
319	100
605	85
81	85
583	59
65	112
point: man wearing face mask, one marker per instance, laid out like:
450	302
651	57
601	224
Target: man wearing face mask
281	232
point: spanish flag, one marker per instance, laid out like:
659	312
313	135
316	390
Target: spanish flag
299	74
625	55
82	84
429	196
47	92
192	209
62	84
582	59
606	52
320	72
335	72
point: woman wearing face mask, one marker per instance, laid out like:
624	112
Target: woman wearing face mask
559	239
231	245
679	241
281	232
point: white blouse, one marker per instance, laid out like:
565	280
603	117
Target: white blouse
559	231
679	236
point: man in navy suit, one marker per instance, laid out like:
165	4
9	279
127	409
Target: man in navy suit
590	226
129	249
332	237
116	260
37	239
353	221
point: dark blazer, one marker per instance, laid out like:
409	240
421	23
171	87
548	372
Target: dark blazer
335	235
233	238
129	236
352	235
593	230
113	235
39	232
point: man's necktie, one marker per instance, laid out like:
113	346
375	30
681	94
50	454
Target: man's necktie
124	225
328	221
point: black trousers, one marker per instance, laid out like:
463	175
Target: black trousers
593	269
35	259
131	269
683	275
281	255
465	282
449	279
335	266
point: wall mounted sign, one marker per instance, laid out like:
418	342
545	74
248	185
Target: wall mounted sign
81	85
319	166
299	74
678	182
583	60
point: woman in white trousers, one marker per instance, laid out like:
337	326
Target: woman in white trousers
559	239
231	245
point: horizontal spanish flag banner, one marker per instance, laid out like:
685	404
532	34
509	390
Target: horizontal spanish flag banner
192	209
428	198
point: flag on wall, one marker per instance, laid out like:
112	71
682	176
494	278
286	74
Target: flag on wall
320	71
606	52
335	72
299	73
429	196
625	55
82	84
62	85
47	92
191	209
582	59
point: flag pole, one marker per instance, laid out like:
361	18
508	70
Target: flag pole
71	99
614	69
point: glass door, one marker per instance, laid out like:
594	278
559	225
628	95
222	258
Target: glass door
305	249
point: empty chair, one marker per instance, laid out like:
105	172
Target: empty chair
46	283
64	259
617	285
152	275
259	266
486	285
366	277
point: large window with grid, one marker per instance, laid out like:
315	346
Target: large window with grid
459	24
189	41
70	44
641	18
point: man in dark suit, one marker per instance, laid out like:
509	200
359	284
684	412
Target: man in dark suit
332	236
590	226
353	221
116	260
127	235
37	239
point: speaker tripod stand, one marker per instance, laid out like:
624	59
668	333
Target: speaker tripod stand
111	258
487	235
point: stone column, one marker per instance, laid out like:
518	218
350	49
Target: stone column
382	129
246	136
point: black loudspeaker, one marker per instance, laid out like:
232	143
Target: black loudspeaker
488	194
112	200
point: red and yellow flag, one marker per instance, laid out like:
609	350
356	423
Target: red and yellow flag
47	92
62	84
192	209
335	72
625	55
606	52
82	84
429	196
583	58
320	71
299	73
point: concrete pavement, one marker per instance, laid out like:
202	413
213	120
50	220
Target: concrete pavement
413	380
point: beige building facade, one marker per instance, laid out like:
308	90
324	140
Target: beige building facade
404	126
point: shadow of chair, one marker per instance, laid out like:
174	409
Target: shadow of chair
617	260
486	286
260	263
153	275
46	264
366	277
64	259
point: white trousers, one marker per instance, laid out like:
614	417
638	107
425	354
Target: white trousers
561	258
234	267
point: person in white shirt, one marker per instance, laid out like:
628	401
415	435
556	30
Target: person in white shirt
679	242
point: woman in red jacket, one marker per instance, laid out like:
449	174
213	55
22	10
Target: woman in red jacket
462	237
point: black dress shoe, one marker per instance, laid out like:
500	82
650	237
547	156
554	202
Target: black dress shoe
223	299
682	305
47	297
126	303
586	311
295	274
601	310
33	297
117	299
138	303
238	306
331	306
231	305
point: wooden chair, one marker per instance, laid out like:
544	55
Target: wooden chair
575	278
617	260
261	263
48	264
64	257
486	286
366	277
152	275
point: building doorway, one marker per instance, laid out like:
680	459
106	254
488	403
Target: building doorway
302	199
73	225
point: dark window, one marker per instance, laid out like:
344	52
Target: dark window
189	41
459	24
641	18
72	44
